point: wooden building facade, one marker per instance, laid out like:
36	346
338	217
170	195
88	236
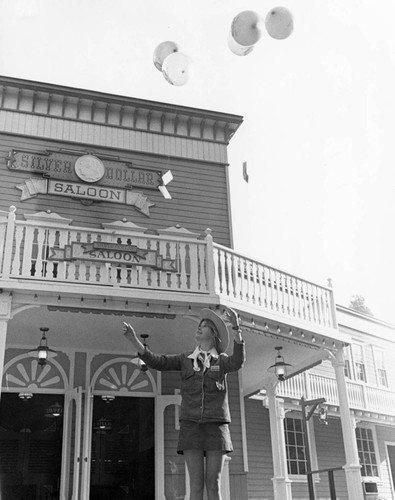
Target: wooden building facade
117	209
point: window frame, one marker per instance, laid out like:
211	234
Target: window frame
360	345
379	351
372	428
302	478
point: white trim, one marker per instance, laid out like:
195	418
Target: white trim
50	361
391	479
372	427
353	345
296	415
161	402
243	422
116	361
382	351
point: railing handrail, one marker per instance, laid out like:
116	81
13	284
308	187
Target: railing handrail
296	390
357	383
116	231
330	469
273	268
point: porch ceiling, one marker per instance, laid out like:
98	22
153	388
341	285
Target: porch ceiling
171	334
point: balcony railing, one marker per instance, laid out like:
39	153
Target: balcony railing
361	396
46	248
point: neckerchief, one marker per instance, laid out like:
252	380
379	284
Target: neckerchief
204	357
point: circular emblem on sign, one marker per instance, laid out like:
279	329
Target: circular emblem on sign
89	168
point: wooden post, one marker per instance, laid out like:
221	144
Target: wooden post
352	467
281	482
5	315
9	238
210	265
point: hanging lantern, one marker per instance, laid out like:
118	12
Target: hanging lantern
246	28
279	367
25	396
103	424
323	415
107	398
54	410
43	352
162	51
279	23
236	48
177	69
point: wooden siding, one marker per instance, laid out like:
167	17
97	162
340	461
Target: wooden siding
325	369
111	136
330	453
260	461
170	382
199	193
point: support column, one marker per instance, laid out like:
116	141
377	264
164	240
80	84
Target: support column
281	481
5	315
352	467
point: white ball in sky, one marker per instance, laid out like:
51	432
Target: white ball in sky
279	23
177	68
236	48
162	51
247	28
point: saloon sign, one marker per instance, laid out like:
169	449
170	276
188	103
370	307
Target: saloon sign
113	252
87	178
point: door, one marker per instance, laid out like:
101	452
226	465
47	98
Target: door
30	447
122	449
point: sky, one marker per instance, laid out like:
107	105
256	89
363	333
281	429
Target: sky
318	113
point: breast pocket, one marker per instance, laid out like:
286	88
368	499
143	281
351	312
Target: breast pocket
218	378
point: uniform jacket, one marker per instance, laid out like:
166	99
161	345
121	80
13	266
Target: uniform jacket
204	393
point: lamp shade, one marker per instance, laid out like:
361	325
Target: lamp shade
280	366
42	352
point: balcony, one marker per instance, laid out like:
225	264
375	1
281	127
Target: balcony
45	250
362	397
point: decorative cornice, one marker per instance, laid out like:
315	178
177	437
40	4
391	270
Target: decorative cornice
99	108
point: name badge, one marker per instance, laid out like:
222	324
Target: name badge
214	368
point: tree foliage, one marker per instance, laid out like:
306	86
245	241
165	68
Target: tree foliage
357	303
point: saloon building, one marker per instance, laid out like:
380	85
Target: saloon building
117	209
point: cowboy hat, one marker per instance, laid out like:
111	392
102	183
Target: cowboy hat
219	323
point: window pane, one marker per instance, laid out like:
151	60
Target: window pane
301	455
302	467
366	451
296	458
290	437
293	467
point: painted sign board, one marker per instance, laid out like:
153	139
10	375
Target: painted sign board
113	253
87	178
88	168
33	187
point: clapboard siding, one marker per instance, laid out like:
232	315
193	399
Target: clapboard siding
110	136
199	193
330	453
260	461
